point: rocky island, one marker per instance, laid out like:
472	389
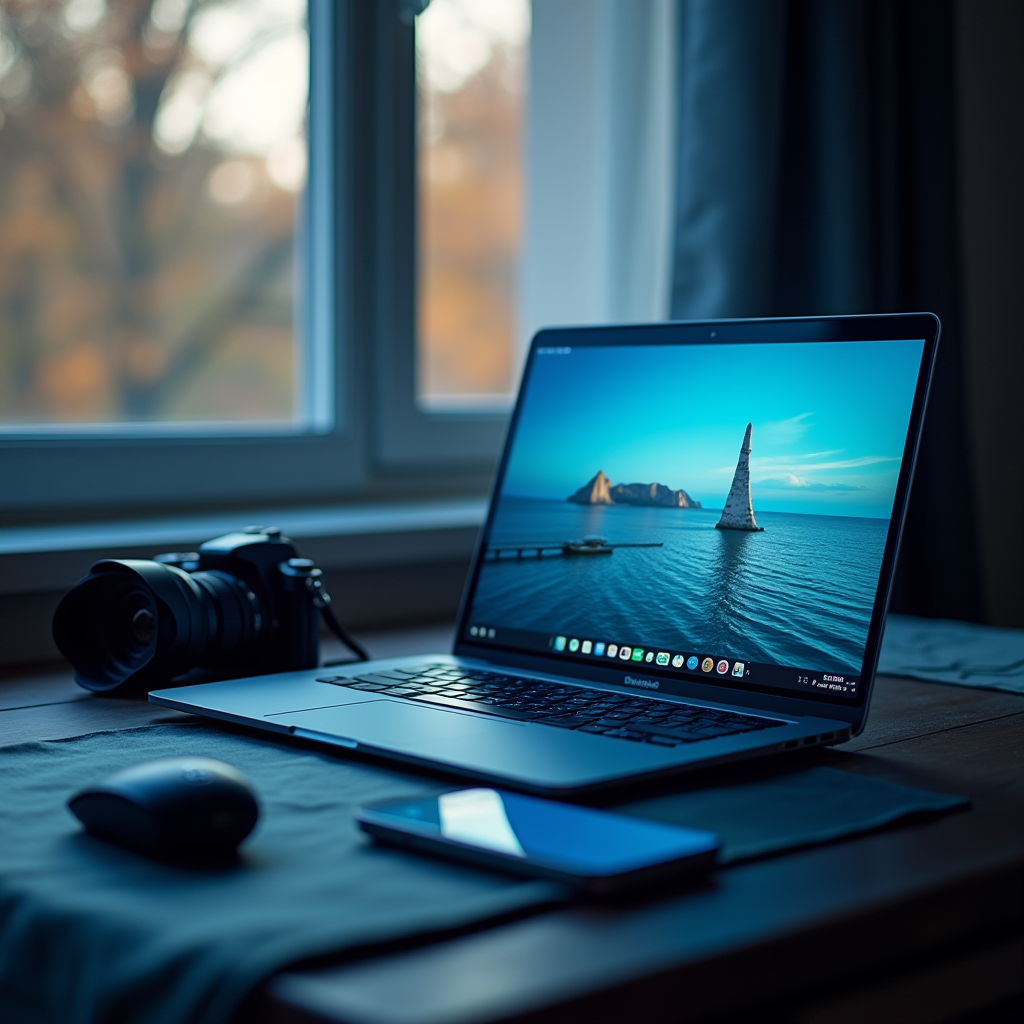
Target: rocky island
599	491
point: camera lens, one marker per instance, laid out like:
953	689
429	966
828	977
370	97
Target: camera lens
234	615
143	625
131	622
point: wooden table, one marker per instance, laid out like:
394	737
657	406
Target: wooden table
921	923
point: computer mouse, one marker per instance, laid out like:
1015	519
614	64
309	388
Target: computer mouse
181	809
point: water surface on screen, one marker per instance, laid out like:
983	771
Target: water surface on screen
623	514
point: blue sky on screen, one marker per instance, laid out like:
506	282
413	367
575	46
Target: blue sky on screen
830	422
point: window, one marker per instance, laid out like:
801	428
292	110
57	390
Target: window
413	429
208	260
152	165
471	62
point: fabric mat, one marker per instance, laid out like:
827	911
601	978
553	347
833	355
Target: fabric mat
960	653
788	810
90	933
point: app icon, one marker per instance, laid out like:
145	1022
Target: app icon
586	647
677	661
625	653
737	669
707	664
599	648
638	654
691	662
723	667
663	657
559	643
472	630
650	656
574	645
613	649
490	634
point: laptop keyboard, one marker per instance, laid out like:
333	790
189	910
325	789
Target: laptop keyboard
619	716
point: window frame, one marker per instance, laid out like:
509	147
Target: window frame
359	302
406	433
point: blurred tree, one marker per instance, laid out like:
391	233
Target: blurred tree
146	243
471	69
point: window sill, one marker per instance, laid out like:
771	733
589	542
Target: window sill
386	565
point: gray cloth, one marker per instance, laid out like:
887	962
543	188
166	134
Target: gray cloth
90	933
941	651
788	810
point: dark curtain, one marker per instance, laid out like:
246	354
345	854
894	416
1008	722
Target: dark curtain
817	174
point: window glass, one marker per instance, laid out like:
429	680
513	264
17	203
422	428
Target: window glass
471	74
152	163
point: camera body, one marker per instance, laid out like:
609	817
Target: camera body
244	604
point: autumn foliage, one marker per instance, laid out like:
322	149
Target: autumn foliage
134	283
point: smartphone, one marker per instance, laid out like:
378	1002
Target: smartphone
589	849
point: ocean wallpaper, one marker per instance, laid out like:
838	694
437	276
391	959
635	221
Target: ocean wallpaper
638	508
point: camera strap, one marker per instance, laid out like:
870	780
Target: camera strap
322	600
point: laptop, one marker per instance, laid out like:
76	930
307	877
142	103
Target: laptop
686	561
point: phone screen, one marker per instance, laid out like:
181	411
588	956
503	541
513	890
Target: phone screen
570	840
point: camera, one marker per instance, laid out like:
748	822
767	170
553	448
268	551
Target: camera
243	604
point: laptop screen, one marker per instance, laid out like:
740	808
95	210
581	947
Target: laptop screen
712	512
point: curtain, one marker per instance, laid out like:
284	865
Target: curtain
816	174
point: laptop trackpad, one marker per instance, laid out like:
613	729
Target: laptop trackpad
390	724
